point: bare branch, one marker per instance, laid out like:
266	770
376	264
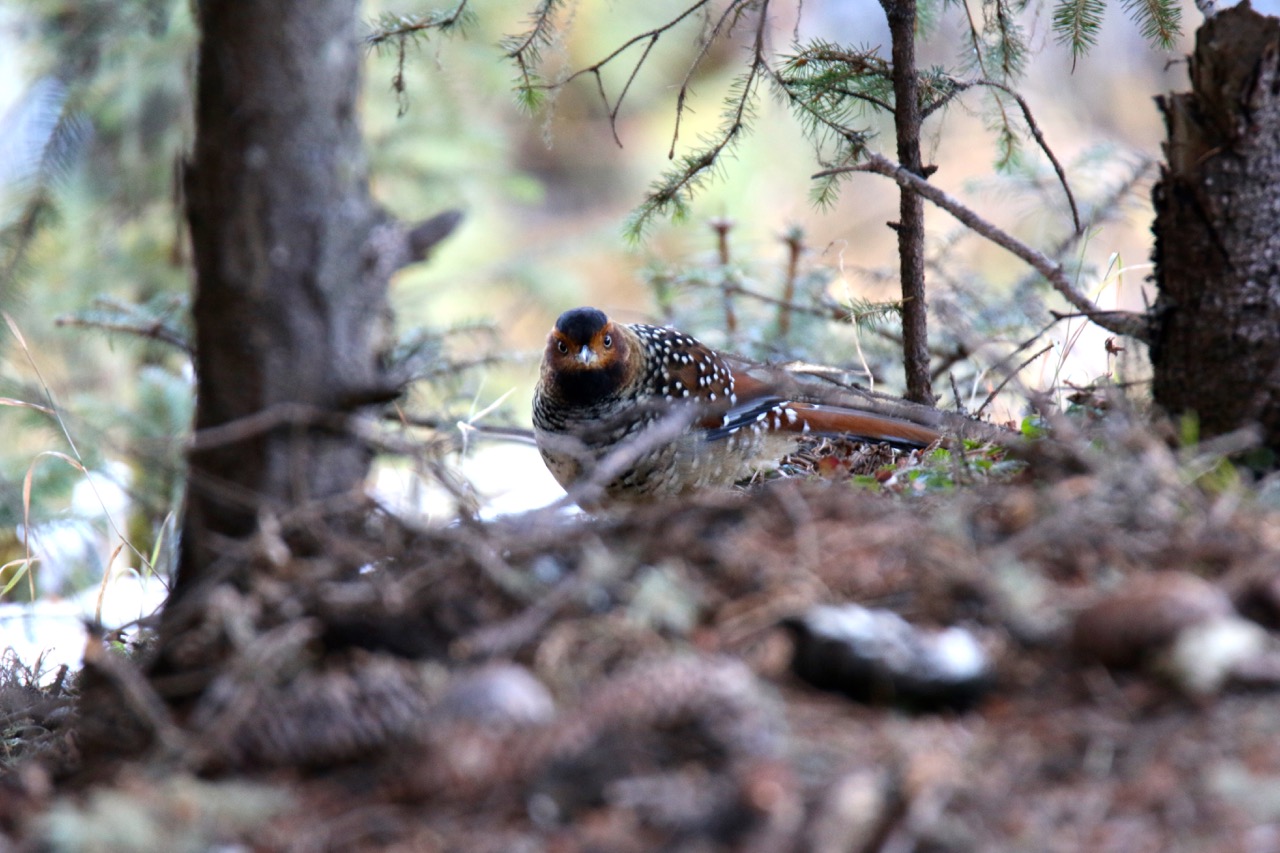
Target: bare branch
613	113
653	34
996	391
443	424
824	309
1123	323
693	66
961	85
157	330
429	233
1102	210
518	53
266	420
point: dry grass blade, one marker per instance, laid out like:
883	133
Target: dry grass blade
106	578
78	462
23	404
26	504
25	571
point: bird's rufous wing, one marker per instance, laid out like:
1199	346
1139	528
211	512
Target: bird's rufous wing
758	402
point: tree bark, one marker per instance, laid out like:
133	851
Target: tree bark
1216	342
910	226
289	291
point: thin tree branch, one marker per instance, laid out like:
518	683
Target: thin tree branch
1120	322
613	113
442	424
974	39
708	158
948	359
870	99
420	24
1009	378
824	309
794	240
650	36
1097	215
655	33
155	331
961	85
693	66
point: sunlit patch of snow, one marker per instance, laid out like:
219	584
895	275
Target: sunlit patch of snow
507	479
52	630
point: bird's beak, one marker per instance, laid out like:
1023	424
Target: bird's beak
587	356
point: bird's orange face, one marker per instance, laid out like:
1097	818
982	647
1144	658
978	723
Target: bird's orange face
586	355
584	339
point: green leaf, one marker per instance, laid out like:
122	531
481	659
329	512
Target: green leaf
1033	426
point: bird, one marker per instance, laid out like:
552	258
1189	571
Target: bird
667	415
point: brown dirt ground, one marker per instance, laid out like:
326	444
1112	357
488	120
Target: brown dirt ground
621	683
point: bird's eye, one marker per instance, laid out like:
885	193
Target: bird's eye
560	345
608	341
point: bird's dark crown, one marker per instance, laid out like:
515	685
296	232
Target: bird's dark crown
580	325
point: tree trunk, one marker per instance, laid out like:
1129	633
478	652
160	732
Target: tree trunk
288	292
1216	341
901	15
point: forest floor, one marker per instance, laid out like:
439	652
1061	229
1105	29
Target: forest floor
628	681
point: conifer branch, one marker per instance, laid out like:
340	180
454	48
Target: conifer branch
975	39
1008	51
397	28
525	47
526	51
1160	20
403	29
1076	23
162	319
674	189
1010	45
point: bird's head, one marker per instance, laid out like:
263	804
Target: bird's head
586	355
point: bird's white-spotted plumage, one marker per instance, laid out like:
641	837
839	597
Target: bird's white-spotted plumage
674	405
675	377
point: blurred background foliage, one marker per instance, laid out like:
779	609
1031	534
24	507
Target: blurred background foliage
95	114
